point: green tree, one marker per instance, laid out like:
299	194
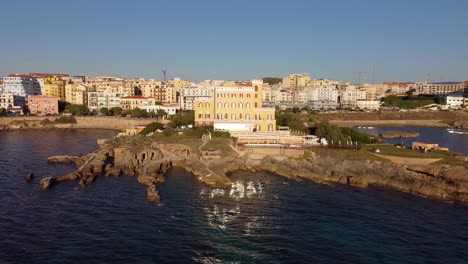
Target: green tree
161	113
139	113
183	118
104	110
3	112
77	109
116	111
272	80
151	128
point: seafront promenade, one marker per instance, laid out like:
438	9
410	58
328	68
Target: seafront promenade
92	122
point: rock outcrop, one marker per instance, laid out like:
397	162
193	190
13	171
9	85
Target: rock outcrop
149	163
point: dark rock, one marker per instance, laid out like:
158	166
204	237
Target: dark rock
47	182
29	176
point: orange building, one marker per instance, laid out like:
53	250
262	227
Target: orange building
43	105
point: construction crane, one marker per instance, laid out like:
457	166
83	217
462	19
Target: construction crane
164	75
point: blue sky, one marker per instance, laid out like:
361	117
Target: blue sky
197	40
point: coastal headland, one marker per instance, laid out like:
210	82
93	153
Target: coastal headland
148	158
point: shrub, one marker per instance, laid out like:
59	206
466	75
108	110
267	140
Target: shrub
115	111
151	128
104	111
65	120
169	131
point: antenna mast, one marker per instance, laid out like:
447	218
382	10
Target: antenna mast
164	75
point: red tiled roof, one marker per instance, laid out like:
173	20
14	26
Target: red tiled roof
134	97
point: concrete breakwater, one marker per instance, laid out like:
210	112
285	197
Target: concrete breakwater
149	162
91	122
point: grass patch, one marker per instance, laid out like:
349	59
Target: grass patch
447	157
221	144
350	154
189	140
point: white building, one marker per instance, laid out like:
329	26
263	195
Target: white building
6	100
189	95
350	96
454	101
170	110
22	85
370	105
98	100
322	93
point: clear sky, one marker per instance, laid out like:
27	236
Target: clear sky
237	39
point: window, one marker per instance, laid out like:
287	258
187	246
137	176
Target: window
226	105
233	116
233	105
200	105
200	116
220	105
247	105
256	88
207	105
248	95
256	95
240	116
226	116
256	105
241	95
247	116
220	116
240	105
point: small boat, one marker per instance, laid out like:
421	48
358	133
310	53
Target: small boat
451	131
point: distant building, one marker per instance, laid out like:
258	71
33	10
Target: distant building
454	101
76	93
136	101
369	105
7	100
190	94
43	105
98	100
439	88
55	86
296	80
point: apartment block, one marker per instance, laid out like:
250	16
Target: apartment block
43	105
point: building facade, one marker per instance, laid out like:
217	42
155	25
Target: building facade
98	100
190	94
43	105
236	108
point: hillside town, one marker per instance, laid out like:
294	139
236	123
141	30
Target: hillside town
216	102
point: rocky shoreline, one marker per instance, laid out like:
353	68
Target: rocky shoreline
150	161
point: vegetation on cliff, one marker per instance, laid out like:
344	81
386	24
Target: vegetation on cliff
411	101
272	80
77	109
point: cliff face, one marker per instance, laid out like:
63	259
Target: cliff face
149	163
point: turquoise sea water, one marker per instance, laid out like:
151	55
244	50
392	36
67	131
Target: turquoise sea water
262	218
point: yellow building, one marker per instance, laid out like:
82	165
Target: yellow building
136	101
236	108
296	80
55	86
75	93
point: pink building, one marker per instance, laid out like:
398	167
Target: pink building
43	105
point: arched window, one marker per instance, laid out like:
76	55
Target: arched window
200	105
220	116
247	116
226	105
247	105
240	116
233	116
240	105
270	127
220	105
256	88
207	105
257	127
255	104
233	105
226	116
